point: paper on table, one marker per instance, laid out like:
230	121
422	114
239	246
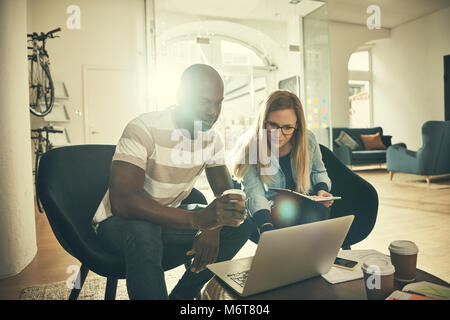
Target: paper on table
338	275
429	289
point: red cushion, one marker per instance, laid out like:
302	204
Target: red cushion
373	141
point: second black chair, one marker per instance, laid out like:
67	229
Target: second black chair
359	198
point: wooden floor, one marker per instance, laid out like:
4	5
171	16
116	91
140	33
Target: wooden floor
49	265
409	212
405	212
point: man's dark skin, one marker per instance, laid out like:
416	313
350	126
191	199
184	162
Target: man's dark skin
199	99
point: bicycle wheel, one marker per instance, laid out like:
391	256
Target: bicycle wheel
36	166
42	91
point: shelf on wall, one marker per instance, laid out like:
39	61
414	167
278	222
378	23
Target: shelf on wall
60	90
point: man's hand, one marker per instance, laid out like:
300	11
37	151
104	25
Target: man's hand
228	210
323	193
205	248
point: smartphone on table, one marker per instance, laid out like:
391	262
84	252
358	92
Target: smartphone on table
345	263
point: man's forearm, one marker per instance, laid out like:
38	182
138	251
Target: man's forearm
219	179
140	206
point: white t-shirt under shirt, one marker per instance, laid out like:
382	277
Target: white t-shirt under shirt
172	161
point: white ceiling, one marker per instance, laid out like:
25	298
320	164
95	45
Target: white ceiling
393	12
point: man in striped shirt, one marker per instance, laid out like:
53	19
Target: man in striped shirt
157	161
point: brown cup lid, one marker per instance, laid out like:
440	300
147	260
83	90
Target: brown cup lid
403	247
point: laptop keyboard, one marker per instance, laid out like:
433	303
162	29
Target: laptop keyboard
239	277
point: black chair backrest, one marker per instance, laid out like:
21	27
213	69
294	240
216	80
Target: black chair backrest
72	181
359	197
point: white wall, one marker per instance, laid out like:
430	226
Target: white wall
112	34
408	86
344	39
17	223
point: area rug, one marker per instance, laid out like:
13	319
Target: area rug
93	288
94	285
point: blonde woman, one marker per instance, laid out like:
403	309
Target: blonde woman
286	155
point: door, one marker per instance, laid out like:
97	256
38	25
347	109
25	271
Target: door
447	86
110	101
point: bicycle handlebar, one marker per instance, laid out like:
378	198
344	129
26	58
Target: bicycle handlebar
43	36
47	129
53	31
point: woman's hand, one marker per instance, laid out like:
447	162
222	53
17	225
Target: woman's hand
323	193
266	227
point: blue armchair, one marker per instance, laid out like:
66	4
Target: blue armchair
433	158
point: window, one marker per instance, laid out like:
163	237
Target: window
234	60
244	71
360	77
237	54
359	61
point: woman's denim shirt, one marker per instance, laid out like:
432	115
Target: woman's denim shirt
256	193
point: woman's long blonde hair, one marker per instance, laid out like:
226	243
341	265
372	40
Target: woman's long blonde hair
277	100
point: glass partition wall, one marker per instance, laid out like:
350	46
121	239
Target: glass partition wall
317	75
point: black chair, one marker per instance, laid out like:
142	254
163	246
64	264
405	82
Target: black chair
359	198
72	181
195	197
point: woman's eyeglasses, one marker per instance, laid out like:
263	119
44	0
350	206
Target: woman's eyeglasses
286	130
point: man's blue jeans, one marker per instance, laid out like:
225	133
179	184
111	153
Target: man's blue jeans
150	249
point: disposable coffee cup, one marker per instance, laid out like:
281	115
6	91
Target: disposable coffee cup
234	191
378	277
404	258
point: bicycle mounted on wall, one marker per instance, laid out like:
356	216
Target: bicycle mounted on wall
42	144
42	90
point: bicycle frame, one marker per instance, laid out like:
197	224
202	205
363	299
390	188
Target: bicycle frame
40	80
39	51
42	144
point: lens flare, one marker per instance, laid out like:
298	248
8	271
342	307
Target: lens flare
288	212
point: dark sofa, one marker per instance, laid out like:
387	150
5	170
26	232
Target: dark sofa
359	155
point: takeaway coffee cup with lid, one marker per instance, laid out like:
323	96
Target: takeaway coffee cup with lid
404	258
234	191
378	277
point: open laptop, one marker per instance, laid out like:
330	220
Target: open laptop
285	256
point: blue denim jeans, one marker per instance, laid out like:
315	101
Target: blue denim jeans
311	212
150	249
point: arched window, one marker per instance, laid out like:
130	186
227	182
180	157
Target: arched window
234	53
245	71
243	68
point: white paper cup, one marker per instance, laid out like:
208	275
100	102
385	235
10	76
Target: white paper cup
378	277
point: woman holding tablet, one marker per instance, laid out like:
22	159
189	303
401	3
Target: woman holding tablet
279	152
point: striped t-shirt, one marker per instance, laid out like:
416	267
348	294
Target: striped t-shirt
172	161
